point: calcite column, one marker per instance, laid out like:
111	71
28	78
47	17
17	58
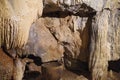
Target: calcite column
99	46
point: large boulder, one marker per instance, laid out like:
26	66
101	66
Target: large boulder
41	43
52	38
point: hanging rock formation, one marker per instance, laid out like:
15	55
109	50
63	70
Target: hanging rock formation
16	18
82	34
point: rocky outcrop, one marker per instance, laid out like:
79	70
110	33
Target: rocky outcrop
82	34
41	43
104	46
88	30
55	38
16	18
101	40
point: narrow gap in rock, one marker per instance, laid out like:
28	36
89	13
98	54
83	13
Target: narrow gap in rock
114	65
33	70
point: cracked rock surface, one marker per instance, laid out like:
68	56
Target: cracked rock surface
83	35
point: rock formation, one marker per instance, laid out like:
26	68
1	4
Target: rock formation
100	39
82	34
6	66
41	43
16	17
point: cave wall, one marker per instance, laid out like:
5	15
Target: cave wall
87	31
77	31
74	28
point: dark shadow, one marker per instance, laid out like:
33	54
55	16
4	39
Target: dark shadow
85	36
37	60
57	14
63	14
82	11
81	69
85	74
114	65
31	75
9	52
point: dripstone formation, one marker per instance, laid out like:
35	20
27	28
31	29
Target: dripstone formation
82	35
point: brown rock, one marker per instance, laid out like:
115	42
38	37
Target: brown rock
86	31
92	38
69	75
34	67
33	72
52	71
19	68
6	66
16	18
42	43
49	35
73	33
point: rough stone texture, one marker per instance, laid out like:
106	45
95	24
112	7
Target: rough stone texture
80	32
101	38
49	35
68	75
99	49
104	44
41	43
52	71
74	6
114	35
16	18
6	66
87	29
33	67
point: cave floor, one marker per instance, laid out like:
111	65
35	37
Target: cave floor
70	75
